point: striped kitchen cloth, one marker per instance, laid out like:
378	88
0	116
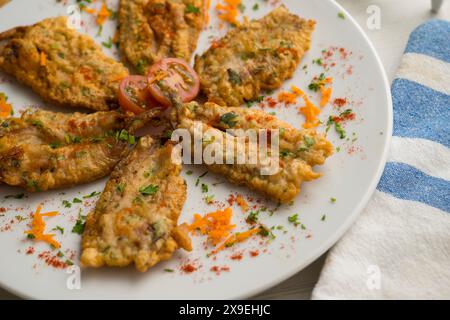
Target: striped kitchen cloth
400	245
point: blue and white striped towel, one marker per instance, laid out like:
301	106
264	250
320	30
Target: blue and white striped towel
400	246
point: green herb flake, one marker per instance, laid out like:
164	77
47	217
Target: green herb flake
234	77
120	187
341	15
204	188
79	226
92	194
294	219
58	228
192	9
148	190
66	204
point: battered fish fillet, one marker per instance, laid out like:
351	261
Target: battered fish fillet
135	220
45	150
258	55
299	149
150	30
61	65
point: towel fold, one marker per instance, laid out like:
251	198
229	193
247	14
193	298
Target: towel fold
399	248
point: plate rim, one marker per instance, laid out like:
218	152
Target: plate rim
339	232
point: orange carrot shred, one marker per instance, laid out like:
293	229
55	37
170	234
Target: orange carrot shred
38	228
5	108
43	59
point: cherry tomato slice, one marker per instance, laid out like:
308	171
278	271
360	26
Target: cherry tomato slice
134	95
172	75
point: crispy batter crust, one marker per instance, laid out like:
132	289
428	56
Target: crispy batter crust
258	55
154	29
61	65
300	150
45	150
129	226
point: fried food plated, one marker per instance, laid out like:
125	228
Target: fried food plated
135	219
61	65
258	55
45	150
299	149
154	29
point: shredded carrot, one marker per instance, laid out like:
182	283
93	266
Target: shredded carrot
287	97
38	227
118	77
326	95
242	203
229	11
207	6
159	76
103	14
5	108
89	10
43	60
236	238
216	225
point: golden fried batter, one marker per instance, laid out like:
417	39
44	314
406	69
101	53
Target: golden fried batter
135	220
45	150
258	55
61	65
154	29
299	149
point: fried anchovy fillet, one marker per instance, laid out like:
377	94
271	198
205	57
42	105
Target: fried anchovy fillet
258	55
61	65
299	149
45	150
150	30
136	217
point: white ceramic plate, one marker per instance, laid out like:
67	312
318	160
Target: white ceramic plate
350	176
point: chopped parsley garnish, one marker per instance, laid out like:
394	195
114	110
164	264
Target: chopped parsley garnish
79	225
204	188
66	204
294	220
123	135
108	44
333	200
192	9
323	217
285	153
30	236
169	270
252	217
252	102
189	172
141	66
337	126
265	232
341	15
54	145
58	228
234	77
317	83
255	7
120	187
92	194
148	190
37	123
76	200
229	119
318	61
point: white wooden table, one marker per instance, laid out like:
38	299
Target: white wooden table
398	19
